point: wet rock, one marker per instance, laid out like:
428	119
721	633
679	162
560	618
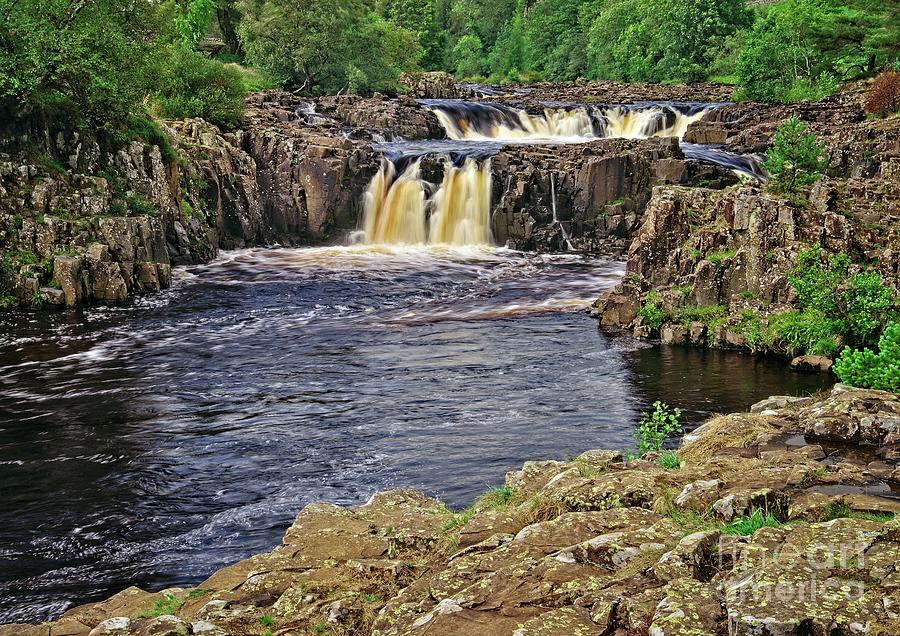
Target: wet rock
819	364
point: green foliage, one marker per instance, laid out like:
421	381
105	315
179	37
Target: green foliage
467	55
841	510
266	620
193	85
799	49
192	18
807	332
817	278
747	526
419	17
168	605
140	127
139	206
835	307
871	370
717	258
656	426
706	314
870	306
7	280
326	46
669	460
84	62
652	311
796	158
626	42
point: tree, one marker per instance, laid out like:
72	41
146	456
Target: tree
418	17
796	159
325	46
626	41
467	55
86	63
192	18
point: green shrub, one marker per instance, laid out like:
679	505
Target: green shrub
796	158
706	314
652	310
870	370
139	206
193	85
656	426
817	278
141	127
869	306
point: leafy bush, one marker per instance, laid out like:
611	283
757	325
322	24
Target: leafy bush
652	310
869	306
884	95
655	427
817	278
140	127
86	63
870	370
796	158
326	46
192	85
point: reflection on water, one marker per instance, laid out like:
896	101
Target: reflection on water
156	442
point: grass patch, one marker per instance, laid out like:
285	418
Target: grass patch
266	620
725	431
669	460
747	526
719	256
168	605
841	510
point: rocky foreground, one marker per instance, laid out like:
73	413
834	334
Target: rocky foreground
779	522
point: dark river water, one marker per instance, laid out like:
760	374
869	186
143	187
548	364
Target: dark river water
156	442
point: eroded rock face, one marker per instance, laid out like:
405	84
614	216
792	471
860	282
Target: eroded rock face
730	251
595	545
599	191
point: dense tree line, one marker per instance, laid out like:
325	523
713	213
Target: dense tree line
101	63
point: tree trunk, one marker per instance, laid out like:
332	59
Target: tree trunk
228	16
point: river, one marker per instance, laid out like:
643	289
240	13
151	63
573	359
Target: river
155	442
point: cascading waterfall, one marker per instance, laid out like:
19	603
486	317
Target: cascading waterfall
395	206
397	210
481	121
462	206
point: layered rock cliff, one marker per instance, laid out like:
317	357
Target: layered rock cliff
715	263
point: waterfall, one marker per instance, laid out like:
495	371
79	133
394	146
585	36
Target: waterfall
482	121
462	206
397	210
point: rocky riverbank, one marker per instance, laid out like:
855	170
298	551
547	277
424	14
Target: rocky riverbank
779	521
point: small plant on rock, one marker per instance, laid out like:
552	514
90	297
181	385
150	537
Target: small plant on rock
669	460
796	159
869	370
747	526
656	426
